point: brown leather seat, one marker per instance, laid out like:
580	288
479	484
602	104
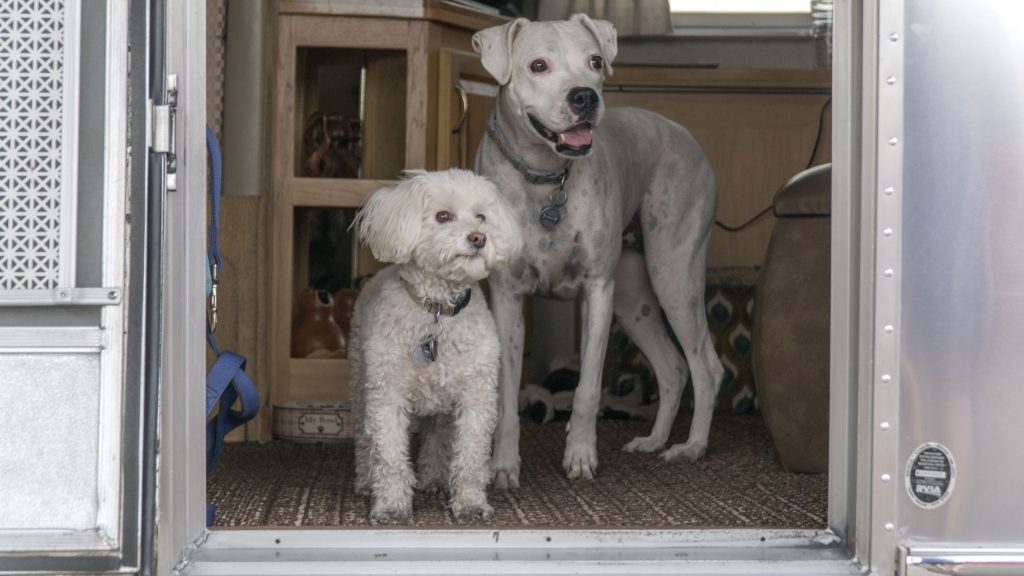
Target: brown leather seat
791	322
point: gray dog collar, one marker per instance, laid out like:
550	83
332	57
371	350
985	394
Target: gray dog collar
532	175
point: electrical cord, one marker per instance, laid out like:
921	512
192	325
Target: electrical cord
810	162
817	138
746	224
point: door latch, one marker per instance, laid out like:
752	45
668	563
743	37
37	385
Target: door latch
162	134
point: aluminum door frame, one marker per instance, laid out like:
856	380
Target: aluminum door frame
852	544
181	496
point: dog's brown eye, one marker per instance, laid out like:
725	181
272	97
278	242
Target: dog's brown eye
481	217
444	217
538	66
596	62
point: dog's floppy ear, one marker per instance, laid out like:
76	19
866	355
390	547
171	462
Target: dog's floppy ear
606	36
392	219
494	45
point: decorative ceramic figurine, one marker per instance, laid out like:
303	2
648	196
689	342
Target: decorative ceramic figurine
315	328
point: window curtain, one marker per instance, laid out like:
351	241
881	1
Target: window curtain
642	17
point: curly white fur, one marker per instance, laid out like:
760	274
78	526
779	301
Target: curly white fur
456	395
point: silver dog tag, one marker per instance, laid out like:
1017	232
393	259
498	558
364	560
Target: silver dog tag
550	216
429	347
426	352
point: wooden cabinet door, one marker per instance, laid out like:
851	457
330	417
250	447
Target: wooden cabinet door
467	94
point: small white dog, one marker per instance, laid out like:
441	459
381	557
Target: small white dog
424	343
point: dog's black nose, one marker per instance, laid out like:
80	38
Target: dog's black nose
583	100
477	239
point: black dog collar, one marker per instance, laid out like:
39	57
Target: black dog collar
448	308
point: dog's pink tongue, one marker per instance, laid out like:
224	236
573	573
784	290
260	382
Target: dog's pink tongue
578	136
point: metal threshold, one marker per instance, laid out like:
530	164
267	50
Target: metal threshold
398	551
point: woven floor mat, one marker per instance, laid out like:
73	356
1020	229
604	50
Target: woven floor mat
737	484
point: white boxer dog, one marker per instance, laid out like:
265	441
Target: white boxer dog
577	175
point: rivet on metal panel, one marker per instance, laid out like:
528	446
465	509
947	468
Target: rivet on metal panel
890	80
886	378
894	36
888	272
112	295
884	425
886	477
887	232
889	526
888	328
893	141
889	190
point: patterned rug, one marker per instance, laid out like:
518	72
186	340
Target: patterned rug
737	484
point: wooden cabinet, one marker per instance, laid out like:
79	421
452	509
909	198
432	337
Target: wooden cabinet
466	99
386	73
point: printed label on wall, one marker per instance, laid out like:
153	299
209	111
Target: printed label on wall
930	476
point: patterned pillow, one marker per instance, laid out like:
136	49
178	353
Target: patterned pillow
729	302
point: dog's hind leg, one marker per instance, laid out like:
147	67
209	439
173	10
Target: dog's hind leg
508	316
639	315
435	453
356	383
677	227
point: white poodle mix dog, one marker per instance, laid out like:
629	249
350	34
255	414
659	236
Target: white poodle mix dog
424	343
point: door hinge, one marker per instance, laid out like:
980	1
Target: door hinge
162	139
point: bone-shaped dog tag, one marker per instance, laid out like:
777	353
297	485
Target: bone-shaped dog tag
425	352
550	216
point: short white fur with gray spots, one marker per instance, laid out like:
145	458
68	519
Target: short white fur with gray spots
622	161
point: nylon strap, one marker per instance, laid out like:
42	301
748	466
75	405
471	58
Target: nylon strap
227	381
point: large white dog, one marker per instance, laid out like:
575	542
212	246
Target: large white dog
577	175
424	343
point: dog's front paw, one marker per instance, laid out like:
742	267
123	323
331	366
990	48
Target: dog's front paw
690	451
390	513
507	479
391	506
505	468
643	444
466	509
580	461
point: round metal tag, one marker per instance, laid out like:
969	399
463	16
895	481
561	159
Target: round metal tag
931	474
550	216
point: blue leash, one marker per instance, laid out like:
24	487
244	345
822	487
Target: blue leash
227	381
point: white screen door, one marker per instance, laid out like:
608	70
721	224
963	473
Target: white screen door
72	235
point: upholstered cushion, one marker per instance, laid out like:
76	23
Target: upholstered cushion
791	324
806	194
